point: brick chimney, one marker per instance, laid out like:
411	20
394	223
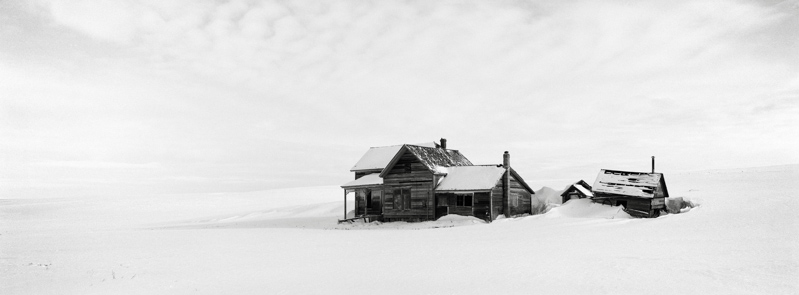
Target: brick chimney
506	160
444	143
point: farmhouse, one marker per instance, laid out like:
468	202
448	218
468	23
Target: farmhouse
417	182
642	194
578	190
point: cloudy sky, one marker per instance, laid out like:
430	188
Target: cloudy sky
138	97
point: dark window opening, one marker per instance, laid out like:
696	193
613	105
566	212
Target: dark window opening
442	200
463	200
402	198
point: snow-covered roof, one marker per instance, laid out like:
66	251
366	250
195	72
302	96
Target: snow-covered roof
366	180
470	178
376	158
635	184
433	158
581	186
583	190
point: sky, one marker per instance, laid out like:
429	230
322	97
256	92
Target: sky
115	98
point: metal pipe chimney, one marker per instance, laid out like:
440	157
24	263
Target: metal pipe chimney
653	164
506	184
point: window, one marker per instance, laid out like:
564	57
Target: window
368	196
463	200
377	198
402	198
389	201
442	199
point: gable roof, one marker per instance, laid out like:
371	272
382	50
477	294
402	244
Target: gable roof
634	184
433	158
376	158
521	181
580	186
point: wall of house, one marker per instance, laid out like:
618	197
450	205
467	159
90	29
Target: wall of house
481	205
497	199
408	172
572	193
639	204
518	192
639	207
659	191
523	204
446	203
363	173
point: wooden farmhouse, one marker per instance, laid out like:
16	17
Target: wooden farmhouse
578	190
642	194
418	182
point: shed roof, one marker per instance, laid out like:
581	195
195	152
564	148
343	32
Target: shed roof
376	158
634	184
366	180
433	158
470	178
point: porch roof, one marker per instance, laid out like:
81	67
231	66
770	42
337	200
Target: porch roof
366	180
470	178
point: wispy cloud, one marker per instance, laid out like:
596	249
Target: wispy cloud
232	87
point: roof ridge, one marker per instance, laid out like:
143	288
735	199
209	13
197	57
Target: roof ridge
611	170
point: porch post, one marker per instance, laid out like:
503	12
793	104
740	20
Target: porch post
345	203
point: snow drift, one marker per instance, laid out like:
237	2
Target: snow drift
585	208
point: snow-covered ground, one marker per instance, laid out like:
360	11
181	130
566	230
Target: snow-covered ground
742	239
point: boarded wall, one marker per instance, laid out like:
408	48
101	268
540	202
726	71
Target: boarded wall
408	174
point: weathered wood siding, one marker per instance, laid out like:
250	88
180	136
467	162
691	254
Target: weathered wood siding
659	191
460	210
409	173
498	199
572	193
522	203
481	205
519	200
644	206
639	207
446	203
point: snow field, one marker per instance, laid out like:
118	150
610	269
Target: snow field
742	239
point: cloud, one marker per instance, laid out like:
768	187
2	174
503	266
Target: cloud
220	89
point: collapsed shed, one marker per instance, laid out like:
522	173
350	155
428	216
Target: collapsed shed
641	194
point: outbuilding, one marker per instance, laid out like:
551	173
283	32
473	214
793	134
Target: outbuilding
578	190
641	194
